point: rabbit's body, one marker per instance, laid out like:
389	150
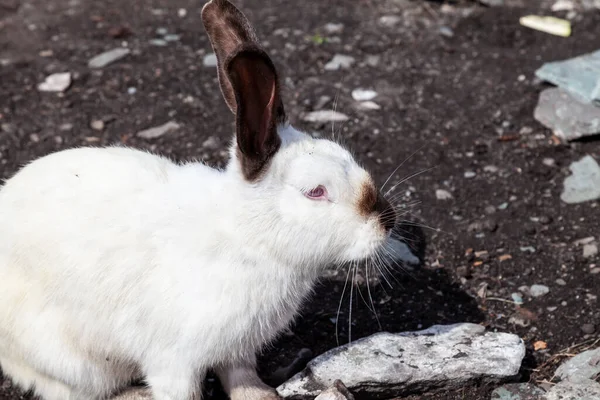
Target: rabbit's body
116	264
152	255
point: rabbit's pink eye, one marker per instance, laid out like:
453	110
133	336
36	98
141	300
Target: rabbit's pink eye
317	193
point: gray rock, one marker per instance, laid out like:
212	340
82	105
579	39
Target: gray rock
446	31
337	392
567	116
210	60
339	61
325	116
368	105
538	290
108	57
518	391
586	389
398	252
470	174
584	365
158	131
590	250
584	184
579	75
396	364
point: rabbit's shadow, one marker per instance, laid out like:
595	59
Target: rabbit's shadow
407	299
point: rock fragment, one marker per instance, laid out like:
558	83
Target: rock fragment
387	364
108	57
158	131
584	183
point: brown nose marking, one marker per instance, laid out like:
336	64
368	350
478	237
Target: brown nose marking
372	201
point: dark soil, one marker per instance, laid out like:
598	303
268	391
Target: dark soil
461	103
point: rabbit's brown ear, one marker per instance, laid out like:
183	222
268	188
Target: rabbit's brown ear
249	83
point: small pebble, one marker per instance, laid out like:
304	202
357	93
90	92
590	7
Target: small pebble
108	57
563	303
528	249
588	328
545	220
182	12
548	162
339	61
161	31
158	42
131	90
333	28
210	60
551	309
503	206
446	31
590	250
97	125
490	209
538	290
172	37
470	174
363	94
561	282
517	298
442	194
56	83
595	271
491	169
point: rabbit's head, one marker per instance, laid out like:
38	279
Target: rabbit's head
313	198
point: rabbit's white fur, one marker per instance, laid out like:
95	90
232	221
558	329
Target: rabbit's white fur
117	264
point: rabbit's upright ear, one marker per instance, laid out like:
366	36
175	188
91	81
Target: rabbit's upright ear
249	83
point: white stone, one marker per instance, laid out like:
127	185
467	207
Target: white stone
590	250
210	60
332	28
363	94
368	105
442	194
158	131
584	184
339	61
387	364
325	116
108	57
56	82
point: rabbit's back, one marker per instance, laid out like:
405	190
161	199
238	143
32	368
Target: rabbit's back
69	223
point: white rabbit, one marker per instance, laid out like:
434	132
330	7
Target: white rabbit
118	265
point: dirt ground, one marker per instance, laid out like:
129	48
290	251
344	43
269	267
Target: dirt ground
462	103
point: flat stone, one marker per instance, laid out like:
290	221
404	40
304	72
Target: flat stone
586	389
387	364
518	391
158	131
158	42
584	365
56	82
567	116
108	57
333	28
584	183
368	106
579	75
339	61
325	116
